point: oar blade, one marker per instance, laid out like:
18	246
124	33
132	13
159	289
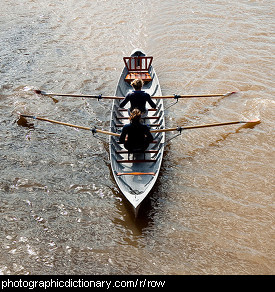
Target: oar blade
251	124
40	92
256	121
37	91
23	122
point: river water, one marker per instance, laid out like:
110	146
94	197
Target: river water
212	209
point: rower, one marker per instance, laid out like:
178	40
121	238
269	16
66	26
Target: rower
135	136
138	98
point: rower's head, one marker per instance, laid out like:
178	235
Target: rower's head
137	84
135	116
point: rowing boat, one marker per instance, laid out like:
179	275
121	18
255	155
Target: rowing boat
136	174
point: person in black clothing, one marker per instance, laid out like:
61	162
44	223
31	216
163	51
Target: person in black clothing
138	97
135	136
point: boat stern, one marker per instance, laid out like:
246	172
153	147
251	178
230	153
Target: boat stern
137	53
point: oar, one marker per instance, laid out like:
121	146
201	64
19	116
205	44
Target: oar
94	130
118	97
77	95
175	96
248	123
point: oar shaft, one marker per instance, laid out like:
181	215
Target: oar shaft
164	130
86	96
212	125
205	126
191	96
77	95
71	125
185	96
107	133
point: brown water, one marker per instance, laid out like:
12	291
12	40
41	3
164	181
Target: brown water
212	210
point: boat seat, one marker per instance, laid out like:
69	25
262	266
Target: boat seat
146	117
153	142
150	125
146	151
138	68
126	110
135	173
135	161
145	77
136	151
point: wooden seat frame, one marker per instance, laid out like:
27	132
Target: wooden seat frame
138	68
